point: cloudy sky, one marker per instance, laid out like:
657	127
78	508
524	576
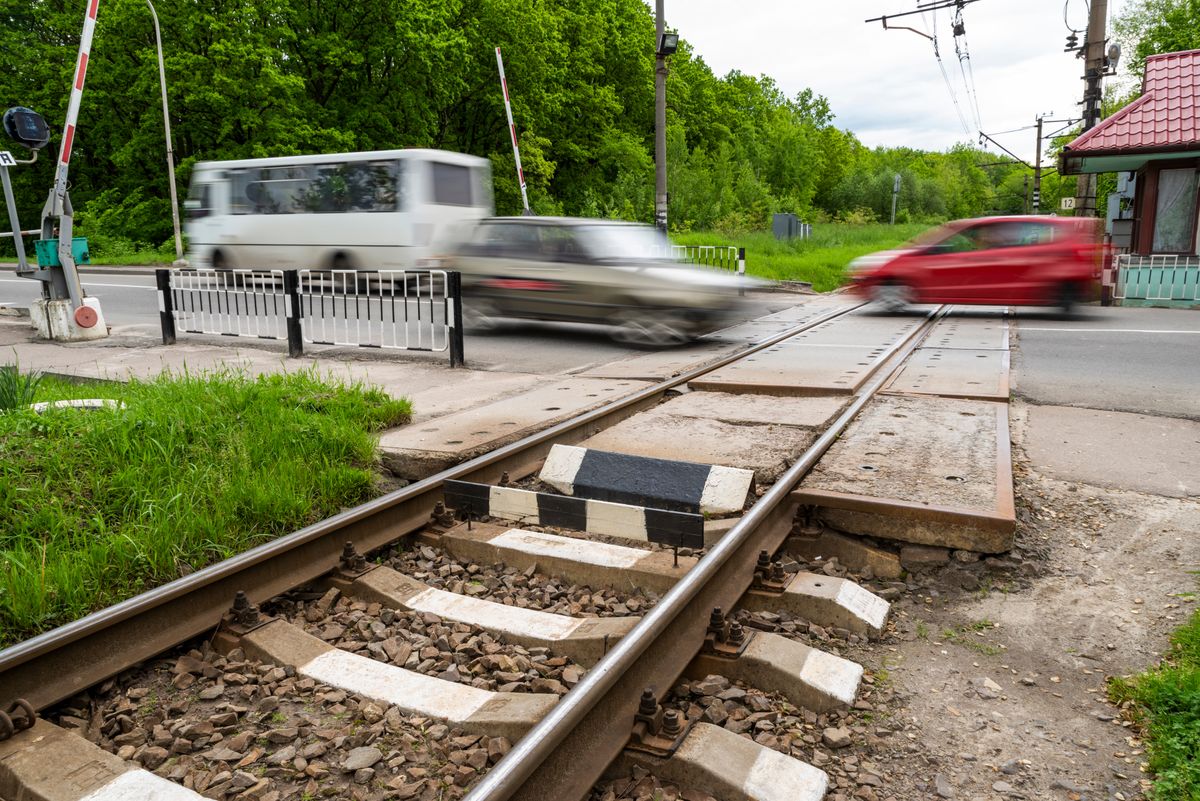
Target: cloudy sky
885	85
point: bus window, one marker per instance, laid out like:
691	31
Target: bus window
356	186
199	202
451	184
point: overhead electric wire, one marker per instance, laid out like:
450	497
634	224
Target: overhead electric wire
946	77
964	55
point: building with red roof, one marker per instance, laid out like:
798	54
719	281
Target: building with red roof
1153	144
1156	137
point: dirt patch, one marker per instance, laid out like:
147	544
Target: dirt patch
998	665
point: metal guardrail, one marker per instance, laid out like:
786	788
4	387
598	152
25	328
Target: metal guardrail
721	257
414	310
404	310
1157	278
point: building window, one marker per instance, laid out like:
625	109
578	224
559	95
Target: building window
1175	219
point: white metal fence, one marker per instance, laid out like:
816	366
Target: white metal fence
237	303
407	310
1157	278
397	309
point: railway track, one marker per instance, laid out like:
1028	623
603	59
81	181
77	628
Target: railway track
541	741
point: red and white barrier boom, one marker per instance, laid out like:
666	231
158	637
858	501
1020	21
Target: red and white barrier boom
57	213
512	130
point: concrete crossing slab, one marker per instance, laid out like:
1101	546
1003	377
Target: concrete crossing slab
955	373
927	470
421	449
972	333
661	434
797	370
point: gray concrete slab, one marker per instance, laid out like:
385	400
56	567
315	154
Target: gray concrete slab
860	329
932	471
809	412
425	448
662	434
1159	455
796	370
972	333
954	373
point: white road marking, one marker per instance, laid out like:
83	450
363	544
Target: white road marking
1108	330
28	282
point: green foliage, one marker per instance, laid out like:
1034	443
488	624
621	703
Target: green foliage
96	506
1165	700
281	77
1149	27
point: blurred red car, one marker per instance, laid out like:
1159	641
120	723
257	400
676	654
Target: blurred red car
1024	261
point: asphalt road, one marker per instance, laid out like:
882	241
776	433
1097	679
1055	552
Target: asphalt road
1114	358
130	307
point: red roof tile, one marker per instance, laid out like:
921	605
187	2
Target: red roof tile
1166	116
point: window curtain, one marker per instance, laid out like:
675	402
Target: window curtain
1174	222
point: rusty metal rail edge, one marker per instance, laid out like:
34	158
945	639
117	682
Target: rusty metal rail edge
66	660
563	756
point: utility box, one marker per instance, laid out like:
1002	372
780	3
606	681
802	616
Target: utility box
785	226
47	252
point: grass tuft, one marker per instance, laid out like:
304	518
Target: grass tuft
17	389
1165	702
97	506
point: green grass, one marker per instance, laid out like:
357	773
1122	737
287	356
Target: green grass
98	506
1165	702
821	260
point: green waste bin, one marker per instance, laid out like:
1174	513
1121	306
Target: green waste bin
47	252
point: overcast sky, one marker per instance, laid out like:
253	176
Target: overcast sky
885	86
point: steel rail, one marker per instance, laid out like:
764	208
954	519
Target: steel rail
61	662
591	724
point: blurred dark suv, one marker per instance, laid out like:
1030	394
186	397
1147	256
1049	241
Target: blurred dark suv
1022	261
593	271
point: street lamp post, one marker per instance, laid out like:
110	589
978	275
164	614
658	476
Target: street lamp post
162	80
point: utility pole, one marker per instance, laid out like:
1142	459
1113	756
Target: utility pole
1037	170
1093	72
660	123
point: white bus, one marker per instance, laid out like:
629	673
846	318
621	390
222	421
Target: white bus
380	210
